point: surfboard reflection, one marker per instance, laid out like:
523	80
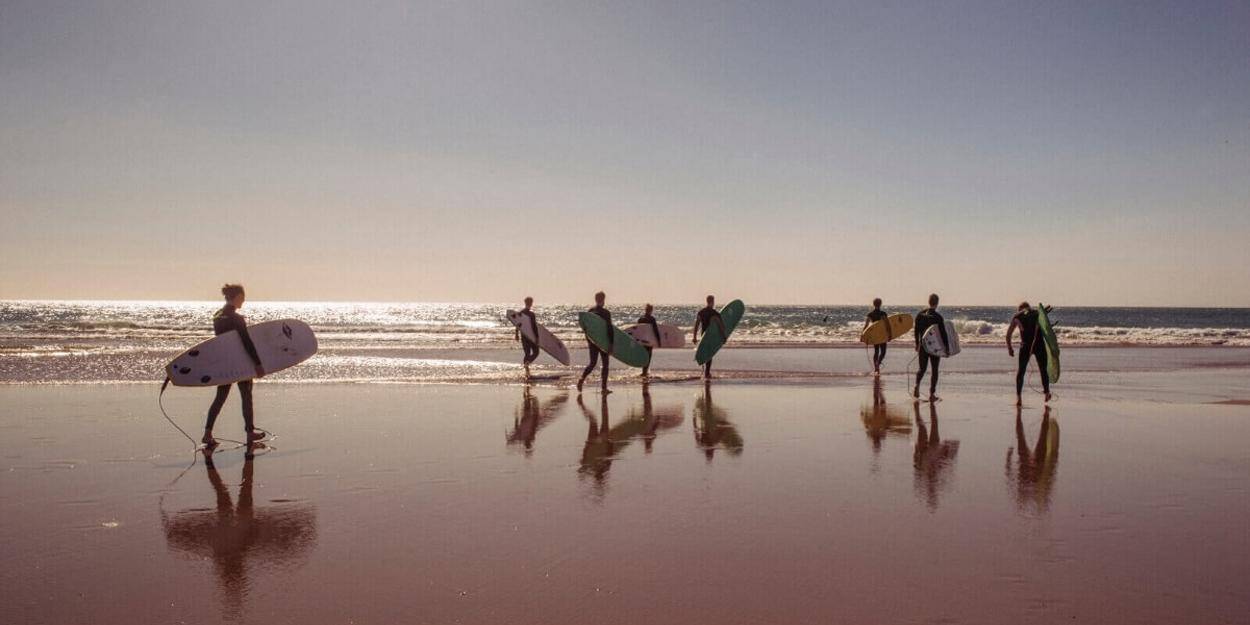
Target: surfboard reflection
933	459
531	416
882	420
712	429
241	538
1032	478
605	442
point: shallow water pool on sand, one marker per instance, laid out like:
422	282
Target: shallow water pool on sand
744	503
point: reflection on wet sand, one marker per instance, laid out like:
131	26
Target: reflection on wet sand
882	420
604	442
241	538
1033	480
933	459
712	428
532	415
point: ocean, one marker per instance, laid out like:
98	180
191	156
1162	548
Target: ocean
108	341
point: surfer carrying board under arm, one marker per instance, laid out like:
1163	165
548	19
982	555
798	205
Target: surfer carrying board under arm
703	319
226	320
649	319
528	347
924	320
878	351
595	352
1031	344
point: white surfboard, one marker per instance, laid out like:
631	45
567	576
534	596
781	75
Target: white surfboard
545	339
222	359
670	335
932	341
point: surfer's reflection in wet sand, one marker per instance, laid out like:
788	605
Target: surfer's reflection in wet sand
712	428
882	420
1032	479
604	442
531	416
933	460
241	538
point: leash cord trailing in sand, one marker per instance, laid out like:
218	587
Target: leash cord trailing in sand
160	401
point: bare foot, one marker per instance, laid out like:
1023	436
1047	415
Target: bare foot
1019	402
605	390
255	435
1047	397
208	441
579	384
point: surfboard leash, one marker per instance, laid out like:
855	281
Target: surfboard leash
160	401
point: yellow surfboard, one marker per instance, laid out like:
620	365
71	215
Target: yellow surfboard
876	333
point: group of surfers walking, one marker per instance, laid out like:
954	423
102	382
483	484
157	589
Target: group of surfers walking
1026	320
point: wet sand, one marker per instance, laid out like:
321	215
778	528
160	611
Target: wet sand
754	502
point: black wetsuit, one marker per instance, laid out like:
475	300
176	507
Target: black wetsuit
530	348
1031	344
704	320
878	351
655	327
926	319
225	320
595	352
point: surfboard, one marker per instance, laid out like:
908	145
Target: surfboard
1051	341
875	333
281	344
932	341
624	349
712	340
670	335
547	341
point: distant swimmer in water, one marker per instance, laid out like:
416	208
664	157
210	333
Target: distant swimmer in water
227	319
528	347
878	351
926	319
595	352
1031	344
649	319
703	319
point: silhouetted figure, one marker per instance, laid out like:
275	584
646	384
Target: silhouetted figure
1036	470
1031	344
226	320
878	351
933	458
529	349
240	537
926	319
704	320
649	319
595	352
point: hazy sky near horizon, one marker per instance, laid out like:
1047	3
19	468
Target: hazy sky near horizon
780	152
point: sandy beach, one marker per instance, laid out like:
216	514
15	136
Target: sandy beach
792	501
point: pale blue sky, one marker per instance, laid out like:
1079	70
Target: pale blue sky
1082	153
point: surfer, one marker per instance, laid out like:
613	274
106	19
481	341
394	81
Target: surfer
595	352
227	319
703	319
1031	344
649	319
528	347
878	351
926	319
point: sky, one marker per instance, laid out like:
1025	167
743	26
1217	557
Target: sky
778	152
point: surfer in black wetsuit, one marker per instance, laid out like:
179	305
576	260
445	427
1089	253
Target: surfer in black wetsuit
878	351
227	319
595	352
704	320
649	319
1031	344
926	319
528	347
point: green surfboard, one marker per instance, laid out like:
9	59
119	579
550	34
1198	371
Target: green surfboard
625	348
712	340
1052	344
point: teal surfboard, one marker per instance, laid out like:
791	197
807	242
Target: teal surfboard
1052	344
712	340
625	348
